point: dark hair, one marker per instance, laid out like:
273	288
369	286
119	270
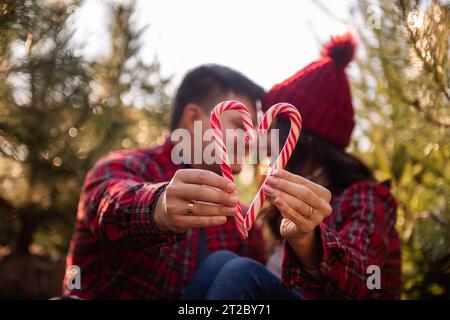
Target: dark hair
206	84
341	168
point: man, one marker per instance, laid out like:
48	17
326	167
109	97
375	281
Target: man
134	237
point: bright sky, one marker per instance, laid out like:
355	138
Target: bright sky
266	40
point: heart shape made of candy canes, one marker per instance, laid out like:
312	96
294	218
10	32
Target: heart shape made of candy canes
245	223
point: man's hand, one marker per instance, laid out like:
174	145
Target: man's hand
213	197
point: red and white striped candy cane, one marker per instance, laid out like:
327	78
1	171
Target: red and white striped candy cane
222	150
283	157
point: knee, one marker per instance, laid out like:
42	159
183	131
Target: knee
222	254
220	258
244	267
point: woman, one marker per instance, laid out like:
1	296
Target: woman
336	222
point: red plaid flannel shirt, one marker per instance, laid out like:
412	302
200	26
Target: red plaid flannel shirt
359	233
122	254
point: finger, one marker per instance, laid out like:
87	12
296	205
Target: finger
211	209
180	207
206	177
299	206
206	194
199	221
296	190
316	188
296	204
289	213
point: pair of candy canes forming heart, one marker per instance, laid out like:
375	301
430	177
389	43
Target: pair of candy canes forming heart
245	223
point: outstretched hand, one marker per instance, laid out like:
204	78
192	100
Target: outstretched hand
212	196
302	203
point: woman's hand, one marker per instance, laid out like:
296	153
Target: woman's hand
302	203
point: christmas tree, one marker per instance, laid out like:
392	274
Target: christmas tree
59	113
403	97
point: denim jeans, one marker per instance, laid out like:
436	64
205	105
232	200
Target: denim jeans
226	276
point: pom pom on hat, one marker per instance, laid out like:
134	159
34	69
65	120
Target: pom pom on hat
321	92
341	49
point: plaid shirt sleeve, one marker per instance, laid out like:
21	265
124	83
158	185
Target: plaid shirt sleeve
119	197
368	217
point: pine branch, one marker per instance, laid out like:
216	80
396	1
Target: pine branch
416	104
414	42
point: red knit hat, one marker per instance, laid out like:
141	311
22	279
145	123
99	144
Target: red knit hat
322	93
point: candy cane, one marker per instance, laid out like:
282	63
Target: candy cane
222	151
283	157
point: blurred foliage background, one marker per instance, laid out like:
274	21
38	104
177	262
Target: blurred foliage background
60	112
403	99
